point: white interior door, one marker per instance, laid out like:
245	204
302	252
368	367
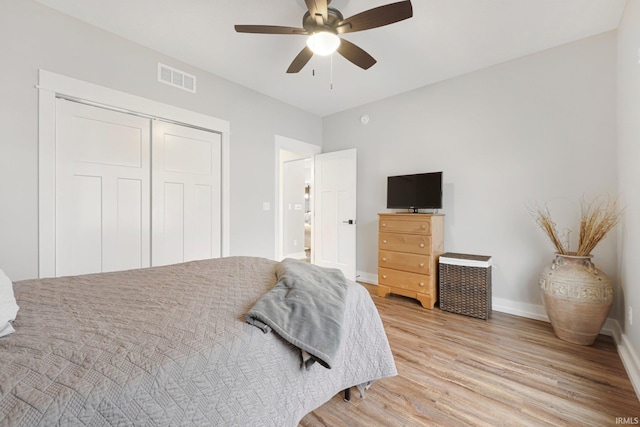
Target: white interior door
186	194
102	190
335	211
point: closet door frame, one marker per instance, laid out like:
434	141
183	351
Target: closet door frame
52	85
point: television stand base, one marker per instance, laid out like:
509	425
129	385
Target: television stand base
417	211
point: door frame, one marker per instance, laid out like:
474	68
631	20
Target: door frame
52	85
306	150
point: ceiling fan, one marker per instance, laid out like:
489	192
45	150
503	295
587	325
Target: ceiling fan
323	24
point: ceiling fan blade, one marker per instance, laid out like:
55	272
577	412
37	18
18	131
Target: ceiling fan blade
301	60
355	54
376	17
269	29
318	9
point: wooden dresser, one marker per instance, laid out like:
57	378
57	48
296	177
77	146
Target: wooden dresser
408	249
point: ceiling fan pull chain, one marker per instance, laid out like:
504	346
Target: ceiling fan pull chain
331	84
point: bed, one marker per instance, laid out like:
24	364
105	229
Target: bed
171	346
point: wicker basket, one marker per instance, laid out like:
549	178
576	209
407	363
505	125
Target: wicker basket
465	284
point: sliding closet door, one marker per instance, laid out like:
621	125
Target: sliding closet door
102	190
186	191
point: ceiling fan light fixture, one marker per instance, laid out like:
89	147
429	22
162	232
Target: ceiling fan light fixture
323	24
323	43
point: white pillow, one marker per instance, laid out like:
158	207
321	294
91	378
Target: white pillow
8	306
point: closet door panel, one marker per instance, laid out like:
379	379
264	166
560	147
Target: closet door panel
201	234
123	204
86	217
130	234
190	158
174	222
108	142
102	190
187	155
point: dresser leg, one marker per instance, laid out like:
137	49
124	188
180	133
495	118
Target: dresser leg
426	300
383	291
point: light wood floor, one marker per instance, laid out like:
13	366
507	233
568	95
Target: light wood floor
455	370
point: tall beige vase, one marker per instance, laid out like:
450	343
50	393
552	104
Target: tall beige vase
577	298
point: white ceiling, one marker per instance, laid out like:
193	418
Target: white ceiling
445	38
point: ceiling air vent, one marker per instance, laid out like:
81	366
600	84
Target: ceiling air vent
176	78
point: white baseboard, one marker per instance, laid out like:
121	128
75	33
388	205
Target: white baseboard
363	276
627	352
530	311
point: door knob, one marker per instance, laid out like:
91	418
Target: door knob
350	221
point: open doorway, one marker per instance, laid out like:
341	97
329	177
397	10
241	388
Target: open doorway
294	204
296	209
332	204
307	219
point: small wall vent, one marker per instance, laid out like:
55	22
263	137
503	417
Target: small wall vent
177	78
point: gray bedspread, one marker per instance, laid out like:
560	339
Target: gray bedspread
169	346
306	308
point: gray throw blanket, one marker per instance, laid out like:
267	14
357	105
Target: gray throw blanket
306	308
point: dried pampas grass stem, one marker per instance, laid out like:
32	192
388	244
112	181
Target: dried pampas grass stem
597	217
544	221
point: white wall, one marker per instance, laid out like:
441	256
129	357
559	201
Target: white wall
629	176
537	129
35	37
540	128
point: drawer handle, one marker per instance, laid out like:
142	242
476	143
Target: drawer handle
384	225
422	245
384	259
422	284
421	264
384	241
423	226
384	276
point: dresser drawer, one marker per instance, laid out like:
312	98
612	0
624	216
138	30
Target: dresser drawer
412	243
405	280
418	226
404	261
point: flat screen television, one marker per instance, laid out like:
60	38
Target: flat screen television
418	191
